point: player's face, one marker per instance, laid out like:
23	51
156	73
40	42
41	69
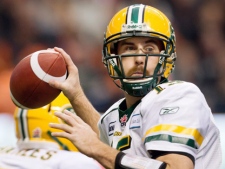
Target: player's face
133	66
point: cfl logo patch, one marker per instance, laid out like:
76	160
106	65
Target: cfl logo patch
123	120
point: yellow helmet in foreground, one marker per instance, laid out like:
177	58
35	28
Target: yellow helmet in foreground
139	21
32	125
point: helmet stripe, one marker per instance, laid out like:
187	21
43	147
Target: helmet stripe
135	14
22	122
128	19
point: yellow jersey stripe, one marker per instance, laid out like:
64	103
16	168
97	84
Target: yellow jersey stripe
178	130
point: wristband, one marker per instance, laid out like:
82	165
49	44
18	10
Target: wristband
127	161
118	160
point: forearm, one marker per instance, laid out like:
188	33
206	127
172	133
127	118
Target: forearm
111	158
85	110
105	155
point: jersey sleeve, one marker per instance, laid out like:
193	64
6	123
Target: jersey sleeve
102	132
105	126
177	121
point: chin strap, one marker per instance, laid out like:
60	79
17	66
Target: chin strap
139	88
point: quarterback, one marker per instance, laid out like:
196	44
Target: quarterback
159	124
36	148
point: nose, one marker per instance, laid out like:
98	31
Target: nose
139	59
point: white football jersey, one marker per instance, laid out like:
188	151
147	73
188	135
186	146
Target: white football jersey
44	158
174	117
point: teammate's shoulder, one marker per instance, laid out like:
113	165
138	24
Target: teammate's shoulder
7	149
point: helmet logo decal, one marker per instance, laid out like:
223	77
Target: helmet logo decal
36	133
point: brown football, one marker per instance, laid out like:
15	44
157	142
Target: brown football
29	86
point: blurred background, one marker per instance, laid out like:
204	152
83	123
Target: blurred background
78	26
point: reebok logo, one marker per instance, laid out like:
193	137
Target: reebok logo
168	110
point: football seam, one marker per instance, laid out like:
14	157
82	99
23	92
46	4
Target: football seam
38	70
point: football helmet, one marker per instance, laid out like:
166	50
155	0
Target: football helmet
32	125
139	21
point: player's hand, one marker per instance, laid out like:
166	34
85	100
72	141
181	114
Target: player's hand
71	86
77	131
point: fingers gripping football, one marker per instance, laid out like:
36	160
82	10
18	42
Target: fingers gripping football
72	82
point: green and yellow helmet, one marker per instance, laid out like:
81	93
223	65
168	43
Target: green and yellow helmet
32	125
139	21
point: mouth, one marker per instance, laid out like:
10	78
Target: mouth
137	74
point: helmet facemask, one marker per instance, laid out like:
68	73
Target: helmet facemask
134	86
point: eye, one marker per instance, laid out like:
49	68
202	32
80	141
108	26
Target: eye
149	49
129	48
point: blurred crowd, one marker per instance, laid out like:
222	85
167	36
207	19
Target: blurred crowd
78	27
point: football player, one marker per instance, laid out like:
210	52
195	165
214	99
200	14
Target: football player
37	148
160	124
